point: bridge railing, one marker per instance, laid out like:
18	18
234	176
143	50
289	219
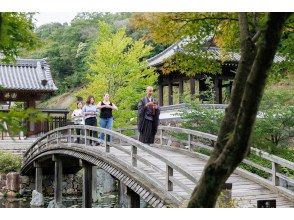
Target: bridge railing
193	141
130	146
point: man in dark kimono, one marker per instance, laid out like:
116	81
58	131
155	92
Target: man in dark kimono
148	117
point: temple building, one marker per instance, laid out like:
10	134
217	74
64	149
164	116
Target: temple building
27	81
175	80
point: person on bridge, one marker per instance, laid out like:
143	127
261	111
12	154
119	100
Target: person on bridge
106	118
90	113
78	118
148	117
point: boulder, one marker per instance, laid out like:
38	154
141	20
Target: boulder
11	194
13	181
105	182
54	204
37	199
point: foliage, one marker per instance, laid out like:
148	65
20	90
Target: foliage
117	66
204	30
274	128
12	122
196	117
272	132
66	46
16	33
9	162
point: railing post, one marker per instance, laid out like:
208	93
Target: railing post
169	173
133	155
189	141
107	147
161	137
69	138
275	179
85	137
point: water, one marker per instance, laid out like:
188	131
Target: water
109	200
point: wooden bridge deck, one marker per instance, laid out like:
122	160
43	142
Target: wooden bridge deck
245	193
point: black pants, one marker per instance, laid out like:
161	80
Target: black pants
92	122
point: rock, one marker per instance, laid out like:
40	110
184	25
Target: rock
1	195
105	182
11	194
70	191
13	181
37	199
49	191
24	192
25	179
53	204
2	176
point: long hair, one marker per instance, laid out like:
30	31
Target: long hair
89	99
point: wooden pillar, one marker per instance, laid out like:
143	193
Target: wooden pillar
94	183
30	124
160	94
57	179
170	93
38	177
192	87
134	198
218	90
181	91
202	88
87	184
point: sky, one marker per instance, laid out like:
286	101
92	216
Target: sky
48	17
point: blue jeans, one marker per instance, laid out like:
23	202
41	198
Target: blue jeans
106	123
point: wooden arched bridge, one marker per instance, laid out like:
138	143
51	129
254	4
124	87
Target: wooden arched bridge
163	174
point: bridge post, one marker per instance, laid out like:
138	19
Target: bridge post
57	179
275	179
161	136
87	184
169	173
134	198
107	147
127	197
94	183
134	154
38	177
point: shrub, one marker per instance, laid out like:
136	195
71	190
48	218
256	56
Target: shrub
9	162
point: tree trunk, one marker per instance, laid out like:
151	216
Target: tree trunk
234	134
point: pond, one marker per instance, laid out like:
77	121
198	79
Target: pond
109	200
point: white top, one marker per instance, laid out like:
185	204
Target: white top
78	117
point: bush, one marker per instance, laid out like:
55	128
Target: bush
9	162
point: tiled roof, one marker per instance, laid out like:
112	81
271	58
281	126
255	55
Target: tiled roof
27	74
214	52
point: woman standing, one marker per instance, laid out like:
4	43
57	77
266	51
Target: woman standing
78	118
106	118
90	113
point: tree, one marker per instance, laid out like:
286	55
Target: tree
117	66
259	37
16	33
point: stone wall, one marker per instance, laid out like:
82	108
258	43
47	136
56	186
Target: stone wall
71	184
14	185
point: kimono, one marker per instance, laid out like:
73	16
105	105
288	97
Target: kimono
148	120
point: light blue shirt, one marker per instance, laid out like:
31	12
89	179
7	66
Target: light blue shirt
90	108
